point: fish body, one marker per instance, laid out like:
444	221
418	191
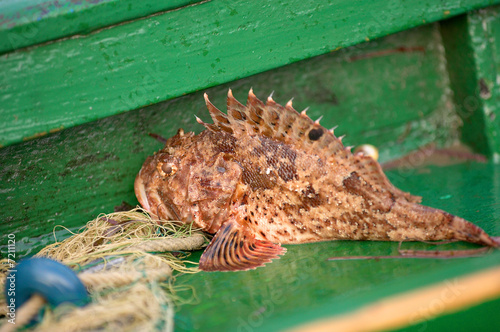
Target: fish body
264	175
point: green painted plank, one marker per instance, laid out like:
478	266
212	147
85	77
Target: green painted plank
376	93
485	37
472	44
73	81
305	286
29	22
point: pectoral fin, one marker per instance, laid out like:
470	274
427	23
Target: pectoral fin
235	248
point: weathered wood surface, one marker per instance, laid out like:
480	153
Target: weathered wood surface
30	22
124	67
472	44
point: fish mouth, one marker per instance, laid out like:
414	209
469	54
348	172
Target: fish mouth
154	202
140	192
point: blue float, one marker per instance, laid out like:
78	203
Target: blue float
54	281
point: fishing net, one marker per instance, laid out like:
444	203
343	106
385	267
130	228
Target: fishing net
128	262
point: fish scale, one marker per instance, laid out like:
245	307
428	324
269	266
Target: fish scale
263	175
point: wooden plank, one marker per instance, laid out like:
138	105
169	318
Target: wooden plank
73	81
418	305
377	93
472	44
305	286
30	22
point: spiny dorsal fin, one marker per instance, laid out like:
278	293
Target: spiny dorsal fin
371	171
289	125
274	121
209	126
285	124
237	115
220	119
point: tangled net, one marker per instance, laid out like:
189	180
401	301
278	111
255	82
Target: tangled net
128	262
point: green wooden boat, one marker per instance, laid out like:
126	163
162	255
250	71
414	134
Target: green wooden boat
82	84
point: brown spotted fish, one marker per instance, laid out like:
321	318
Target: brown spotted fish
264	175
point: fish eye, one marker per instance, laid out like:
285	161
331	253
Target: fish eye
166	169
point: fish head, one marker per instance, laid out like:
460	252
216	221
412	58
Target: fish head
189	180
161	184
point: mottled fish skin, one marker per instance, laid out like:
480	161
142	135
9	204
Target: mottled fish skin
268	174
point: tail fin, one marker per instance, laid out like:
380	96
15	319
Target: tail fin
467	231
441	225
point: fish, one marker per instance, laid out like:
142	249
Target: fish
263	175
